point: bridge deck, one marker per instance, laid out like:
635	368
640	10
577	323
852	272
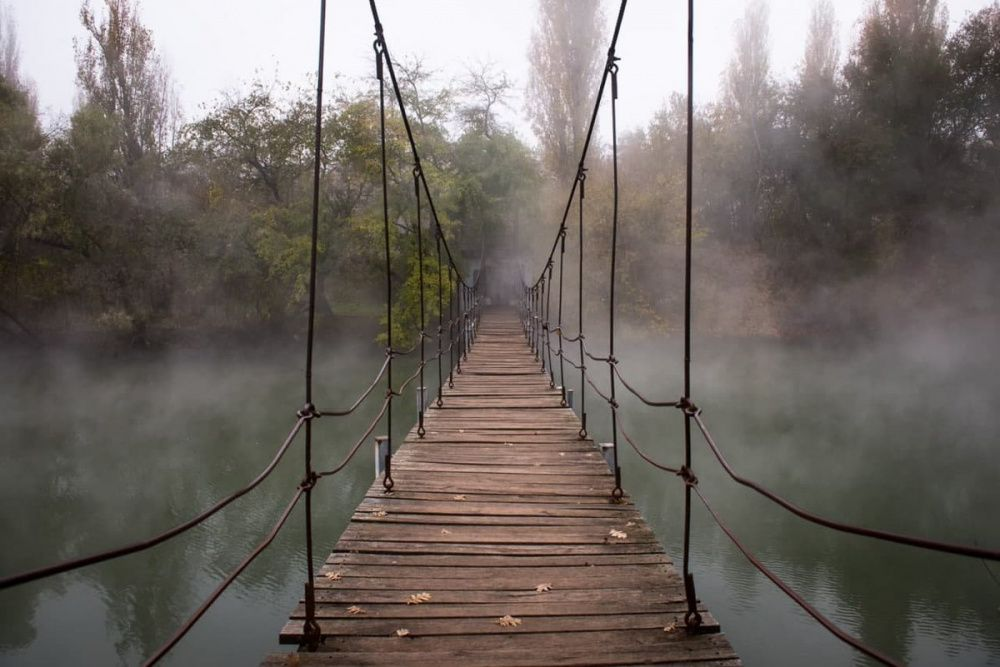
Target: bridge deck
500	511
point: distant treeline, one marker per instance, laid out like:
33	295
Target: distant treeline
128	221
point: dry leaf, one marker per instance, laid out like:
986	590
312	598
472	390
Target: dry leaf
562	453
629	523
461	430
378	514
445	531
419	598
508	621
509	444
670	628
355	610
621	535
334	576
543	588
458	497
402	632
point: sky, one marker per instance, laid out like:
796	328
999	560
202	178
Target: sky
216	46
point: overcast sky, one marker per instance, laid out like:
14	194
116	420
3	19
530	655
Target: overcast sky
213	46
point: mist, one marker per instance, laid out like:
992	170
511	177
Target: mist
154	287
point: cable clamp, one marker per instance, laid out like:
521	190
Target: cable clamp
689	408
309	481
611	360
308	411
688	476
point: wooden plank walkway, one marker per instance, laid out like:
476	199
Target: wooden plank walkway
500	511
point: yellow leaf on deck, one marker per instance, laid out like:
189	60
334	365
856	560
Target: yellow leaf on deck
458	497
419	598
508	621
445	531
620	534
629	523
402	632
334	576
670	628
355	610
378	514
543	588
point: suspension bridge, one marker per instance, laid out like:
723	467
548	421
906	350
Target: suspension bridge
499	532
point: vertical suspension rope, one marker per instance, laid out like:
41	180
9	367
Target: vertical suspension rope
547	327
421	390
379	50
617	492
692	618
559	322
451	330
311	631
440	281
581	176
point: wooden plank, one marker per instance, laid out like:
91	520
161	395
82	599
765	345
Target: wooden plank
500	496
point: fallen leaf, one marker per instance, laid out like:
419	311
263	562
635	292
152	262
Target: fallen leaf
621	535
419	598
508	621
461	430
334	576
402	632
509	444
629	523
378	514
589	454
458	497
445	531
543	588
670	628
562	453
354	610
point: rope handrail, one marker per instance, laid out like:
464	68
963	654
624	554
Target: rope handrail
159	538
899	538
224	584
787	590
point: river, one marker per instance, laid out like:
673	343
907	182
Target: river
901	435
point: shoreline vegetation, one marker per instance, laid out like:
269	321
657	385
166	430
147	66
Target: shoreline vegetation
862	193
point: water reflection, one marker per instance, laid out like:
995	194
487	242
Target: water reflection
124	450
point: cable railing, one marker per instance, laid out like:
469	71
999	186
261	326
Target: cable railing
464	309
537	325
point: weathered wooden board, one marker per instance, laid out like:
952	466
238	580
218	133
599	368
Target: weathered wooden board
501	509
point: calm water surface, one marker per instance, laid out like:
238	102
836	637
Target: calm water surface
901	436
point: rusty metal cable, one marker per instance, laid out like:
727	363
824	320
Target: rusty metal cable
221	588
934	545
787	590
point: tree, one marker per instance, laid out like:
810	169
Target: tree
23	187
484	90
814	96
120	73
566	56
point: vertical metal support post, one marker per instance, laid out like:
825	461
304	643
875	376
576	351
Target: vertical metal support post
440	280
451	329
617	493
422	390
387	482
562	264
582	178
692	618
311	635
